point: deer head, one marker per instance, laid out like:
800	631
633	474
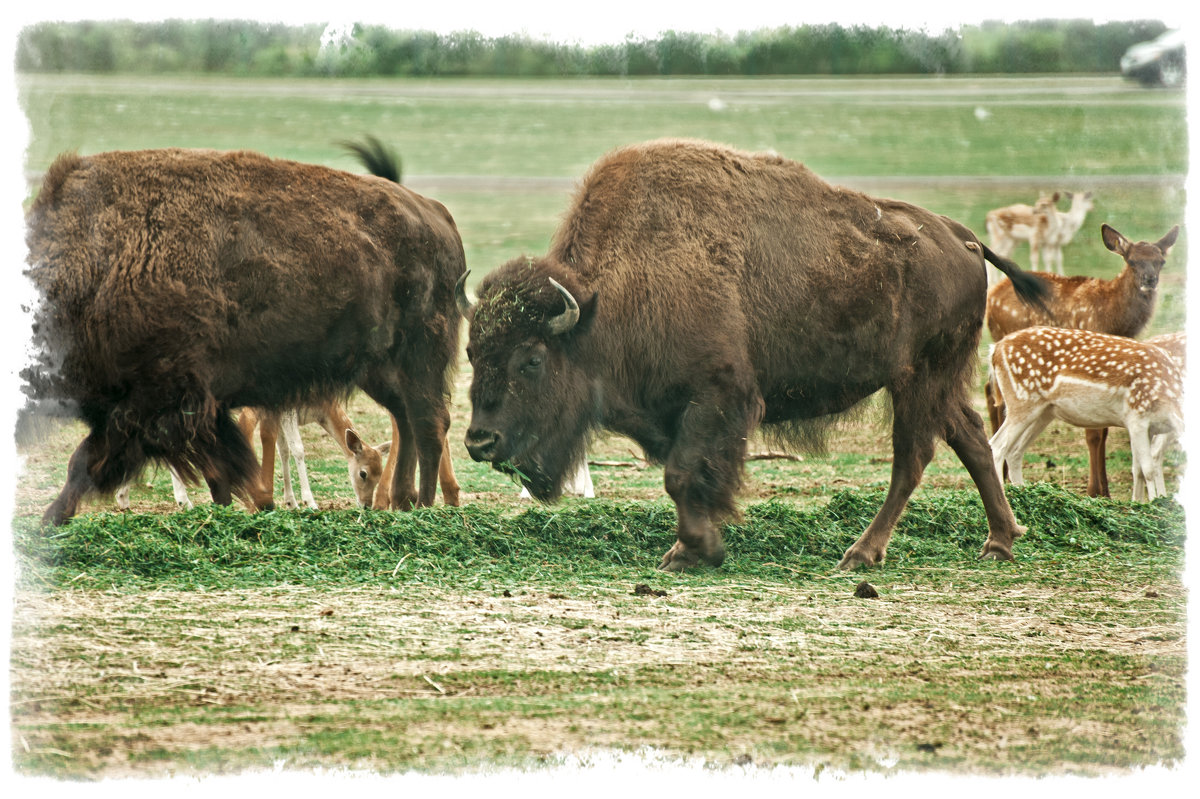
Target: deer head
1144	259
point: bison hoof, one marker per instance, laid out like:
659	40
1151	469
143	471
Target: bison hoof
678	558
853	559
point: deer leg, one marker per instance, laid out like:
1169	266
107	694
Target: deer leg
1097	438
290	427
261	493
580	483
995	407
122	497
284	449
268	436
1158	453
1144	484
446	478
383	492
1014	437
179	489
965	435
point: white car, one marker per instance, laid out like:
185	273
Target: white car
1158	62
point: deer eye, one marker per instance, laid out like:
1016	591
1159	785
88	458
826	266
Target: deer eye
362	475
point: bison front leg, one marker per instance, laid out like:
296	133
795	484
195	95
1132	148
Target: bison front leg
698	538
78	484
704	469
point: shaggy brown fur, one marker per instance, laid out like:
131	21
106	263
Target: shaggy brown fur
1119	307
719	289
178	284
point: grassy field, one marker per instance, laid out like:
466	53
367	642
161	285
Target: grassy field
153	643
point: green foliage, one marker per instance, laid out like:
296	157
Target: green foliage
255	48
222	547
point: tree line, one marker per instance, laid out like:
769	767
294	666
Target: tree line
248	48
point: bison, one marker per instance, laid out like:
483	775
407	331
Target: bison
693	292
175	285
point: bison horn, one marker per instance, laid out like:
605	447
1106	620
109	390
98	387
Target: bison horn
566	320
460	294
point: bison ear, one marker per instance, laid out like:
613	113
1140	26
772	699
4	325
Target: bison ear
587	314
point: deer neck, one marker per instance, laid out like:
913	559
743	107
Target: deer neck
1129	307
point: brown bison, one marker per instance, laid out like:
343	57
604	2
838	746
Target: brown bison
176	285
693	292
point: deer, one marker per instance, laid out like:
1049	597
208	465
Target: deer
369	475
1069	223
1037	224
1176	346
1090	380
1119	307
280	430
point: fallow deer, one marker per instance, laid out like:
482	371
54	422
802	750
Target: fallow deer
1176	346
1036	224
1089	380
281	430
1069	223
1120	307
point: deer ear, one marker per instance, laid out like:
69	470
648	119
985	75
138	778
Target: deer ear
1114	240
384	448
353	442
1168	241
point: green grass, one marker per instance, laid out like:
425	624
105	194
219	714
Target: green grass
218	547
840	127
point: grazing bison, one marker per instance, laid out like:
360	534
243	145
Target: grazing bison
176	285
693	292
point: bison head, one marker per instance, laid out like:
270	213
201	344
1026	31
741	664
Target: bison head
532	399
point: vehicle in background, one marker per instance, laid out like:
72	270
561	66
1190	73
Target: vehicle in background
1158	62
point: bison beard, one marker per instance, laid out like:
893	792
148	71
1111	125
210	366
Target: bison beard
176	285
717	290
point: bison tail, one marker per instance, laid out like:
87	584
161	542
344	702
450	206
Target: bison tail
1030	288
378	159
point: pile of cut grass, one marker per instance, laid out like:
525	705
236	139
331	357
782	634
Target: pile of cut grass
217	547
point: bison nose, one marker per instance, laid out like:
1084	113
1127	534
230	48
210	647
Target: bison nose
482	444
